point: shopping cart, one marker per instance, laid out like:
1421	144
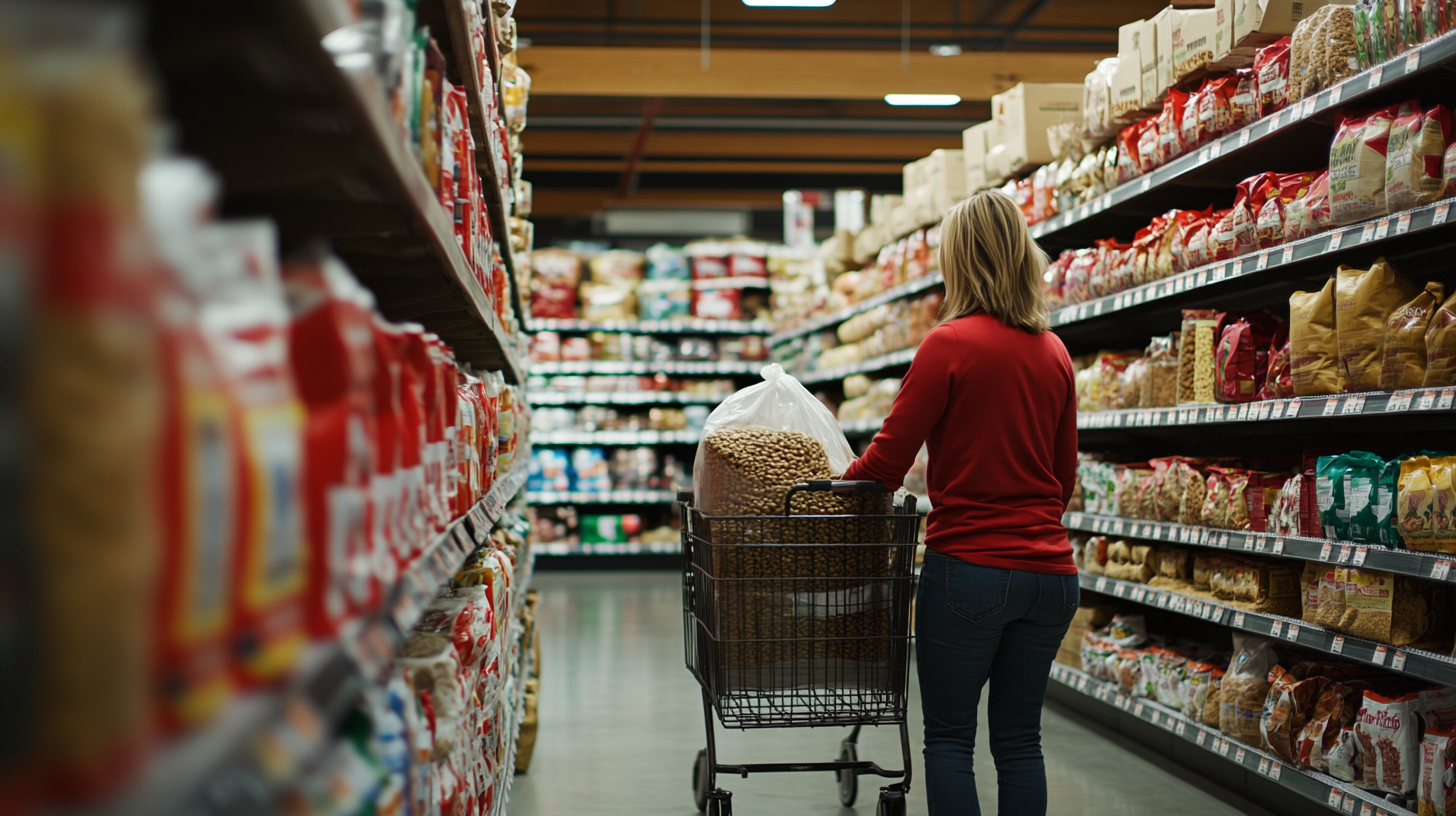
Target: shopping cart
802	621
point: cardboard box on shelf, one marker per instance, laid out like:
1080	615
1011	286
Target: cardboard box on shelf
903	221
1201	39
1152	93
868	242
1164	23
881	206
945	181
1258	23
916	192
1022	115
973	144
1129	38
1127	89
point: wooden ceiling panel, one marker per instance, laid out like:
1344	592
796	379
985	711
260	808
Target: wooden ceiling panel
727	144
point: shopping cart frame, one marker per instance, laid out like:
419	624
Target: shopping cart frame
904	527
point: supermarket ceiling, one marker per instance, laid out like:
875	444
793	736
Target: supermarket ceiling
629	109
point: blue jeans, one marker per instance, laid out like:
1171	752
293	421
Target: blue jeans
977	623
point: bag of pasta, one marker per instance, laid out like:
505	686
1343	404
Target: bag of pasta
1364	301
1313	345
1404	350
1441	346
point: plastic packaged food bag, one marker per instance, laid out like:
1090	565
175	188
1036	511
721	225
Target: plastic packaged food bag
1441	346
1364	301
1244	688
1387	733
1414	158
1357	167
1404	350
1313	347
760	442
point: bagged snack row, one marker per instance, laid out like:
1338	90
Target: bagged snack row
807	289
551	346
707	279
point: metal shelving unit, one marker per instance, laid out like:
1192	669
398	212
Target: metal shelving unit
894	359
689	437
623	398
1430	566
1338	796
1371	404
547	497
723	368
834	318
692	325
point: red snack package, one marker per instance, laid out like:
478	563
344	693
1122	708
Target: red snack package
1277	380
1309	213
332	354
1241	358
1186	222
1215	99
1271	67
1076	287
1191	128
1198	249
1127	154
1244	103
1222	238
1148	141
1170	126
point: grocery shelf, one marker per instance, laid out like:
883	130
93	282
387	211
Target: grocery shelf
1263	278
615	437
1279	142
220	769
685	367
1396	404
840	315
861	427
1426	665
1429	566
558	548
1337	795
306	139
884	361
541	497
696	325
622	398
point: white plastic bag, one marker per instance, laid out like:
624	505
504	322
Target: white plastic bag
779	403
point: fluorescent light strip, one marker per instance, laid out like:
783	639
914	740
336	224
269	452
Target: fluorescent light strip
941	100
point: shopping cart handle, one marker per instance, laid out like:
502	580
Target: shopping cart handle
833	486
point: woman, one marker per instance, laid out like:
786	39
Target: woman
991	395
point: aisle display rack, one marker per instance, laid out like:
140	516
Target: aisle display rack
1321	788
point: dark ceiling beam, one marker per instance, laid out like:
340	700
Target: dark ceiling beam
888	43
527	24
922	126
1031	11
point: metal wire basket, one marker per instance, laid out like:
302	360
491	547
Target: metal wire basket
801	620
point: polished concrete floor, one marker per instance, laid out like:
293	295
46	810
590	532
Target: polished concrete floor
621	720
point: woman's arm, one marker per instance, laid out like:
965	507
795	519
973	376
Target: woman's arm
918	406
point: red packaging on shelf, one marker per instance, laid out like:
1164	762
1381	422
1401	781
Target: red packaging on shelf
332	356
384	483
1170	126
1271	69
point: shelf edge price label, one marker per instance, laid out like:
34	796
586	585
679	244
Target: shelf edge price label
1276	628
1335	238
1239	620
1413	61
1244	137
1382	228
1397	662
1337	646
1359	559
1367	234
1402	225
1440	215
1379	657
1375	77
1286	254
1275	769
1239	756
1293	633
1441	569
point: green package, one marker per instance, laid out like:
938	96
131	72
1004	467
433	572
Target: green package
1345	492
1362	33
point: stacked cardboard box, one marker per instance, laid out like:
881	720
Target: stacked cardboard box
1014	142
934	184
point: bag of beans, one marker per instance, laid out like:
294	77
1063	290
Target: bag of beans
1416	152
1364	301
1313	346
1289	705
1271	70
761	441
1357	166
1404	350
1339	57
1196	346
1441	346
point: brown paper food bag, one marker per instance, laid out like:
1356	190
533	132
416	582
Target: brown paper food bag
1364	301
1404	354
1313	350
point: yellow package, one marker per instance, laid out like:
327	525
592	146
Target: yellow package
1443	478
1313	351
1416	502
1403	361
1364	301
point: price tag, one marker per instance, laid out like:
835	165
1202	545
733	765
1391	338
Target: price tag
1202	278
1101	584
1278	410
1274	120
1367	233
1120	590
1412	61
1276	628
1379	657
1337	92
1444	403
1338	645
1441	569
1218	274
1203	156
1181	728
1398	661
1334	241
1349	804
1278	548
1147	184
1399	401
1097	308
1263	766
1244	136
1337	797
1382	228
1274	770
1225	747
1375	77
1215	150
1440	215
1402	224
1239	620
1249	543
1137	710
1263	262
1345	553
1265	409
1239	756
1330	405
1326	550
1308	108
1366	809
1223	540
1286	254
1359	559
1202	737
1293	633
1428	398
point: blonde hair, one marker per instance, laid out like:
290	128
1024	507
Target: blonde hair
991	265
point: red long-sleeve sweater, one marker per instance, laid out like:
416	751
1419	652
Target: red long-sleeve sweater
997	408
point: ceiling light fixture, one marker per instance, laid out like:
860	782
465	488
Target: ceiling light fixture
788	3
940	100
951	50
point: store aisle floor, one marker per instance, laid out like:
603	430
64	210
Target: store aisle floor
621	720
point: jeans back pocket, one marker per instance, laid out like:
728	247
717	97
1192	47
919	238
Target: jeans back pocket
975	592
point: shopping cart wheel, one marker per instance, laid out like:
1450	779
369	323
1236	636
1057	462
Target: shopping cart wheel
700	780
848	780
892	803
720	803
